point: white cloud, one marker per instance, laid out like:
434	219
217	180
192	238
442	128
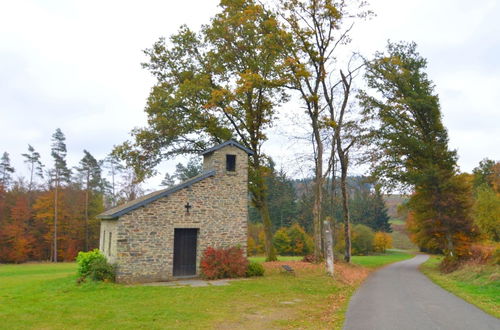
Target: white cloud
76	65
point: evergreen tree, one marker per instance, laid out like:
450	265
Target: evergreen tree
168	181
380	220
90	175
411	147
484	173
281	197
115	168
192	169
60	173
32	158
6	170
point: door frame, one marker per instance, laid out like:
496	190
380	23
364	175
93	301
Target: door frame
196	248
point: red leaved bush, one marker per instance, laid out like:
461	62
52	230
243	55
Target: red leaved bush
223	263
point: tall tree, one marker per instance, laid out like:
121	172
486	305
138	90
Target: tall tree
6	170
130	186
411	146
17	230
281	198
484	173
60	173
380	216
168	180
319	28
487	212
192	169
90	175
223	83
32	159
115	168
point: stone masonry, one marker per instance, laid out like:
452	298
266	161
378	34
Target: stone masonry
142	239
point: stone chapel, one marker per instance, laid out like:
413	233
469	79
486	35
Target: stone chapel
161	236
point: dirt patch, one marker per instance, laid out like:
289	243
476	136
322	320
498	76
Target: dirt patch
327	315
350	274
298	266
258	320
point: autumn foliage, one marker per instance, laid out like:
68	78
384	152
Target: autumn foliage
223	263
293	241
382	241
26	223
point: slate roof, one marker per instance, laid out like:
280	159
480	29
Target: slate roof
228	143
149	198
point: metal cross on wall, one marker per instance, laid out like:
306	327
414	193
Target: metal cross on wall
188	206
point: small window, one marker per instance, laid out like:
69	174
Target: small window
103	241
230	163
109	246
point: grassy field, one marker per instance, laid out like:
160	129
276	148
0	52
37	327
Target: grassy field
395	221
46	296
375	261
477	284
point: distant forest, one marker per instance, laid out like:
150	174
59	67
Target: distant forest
57	204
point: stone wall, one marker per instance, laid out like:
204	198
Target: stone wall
107	247
145	236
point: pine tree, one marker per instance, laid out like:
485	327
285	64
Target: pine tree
115	168
90	175
60	173
380	220
192	169
34	164
168	180
6	170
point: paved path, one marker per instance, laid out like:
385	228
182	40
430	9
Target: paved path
400	297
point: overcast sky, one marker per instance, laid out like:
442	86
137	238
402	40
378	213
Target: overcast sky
76	65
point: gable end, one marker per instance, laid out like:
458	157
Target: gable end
118	211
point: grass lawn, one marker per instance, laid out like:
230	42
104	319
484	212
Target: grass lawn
374	261
46	296
477	284
395	221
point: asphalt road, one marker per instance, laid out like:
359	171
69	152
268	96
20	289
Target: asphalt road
400	297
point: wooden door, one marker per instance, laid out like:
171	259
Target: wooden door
185	240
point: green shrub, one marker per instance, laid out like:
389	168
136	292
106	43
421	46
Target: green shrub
282	242
362	239
255	269
101	270
382	241
293	241
301	242
93	264
84	259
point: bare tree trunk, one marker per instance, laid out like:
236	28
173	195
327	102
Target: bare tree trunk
316	211
345	207
31	177
87	217
328	241
260	202
266	220
449	244
318	194
55	220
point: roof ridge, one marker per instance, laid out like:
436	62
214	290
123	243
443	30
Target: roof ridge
227	143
